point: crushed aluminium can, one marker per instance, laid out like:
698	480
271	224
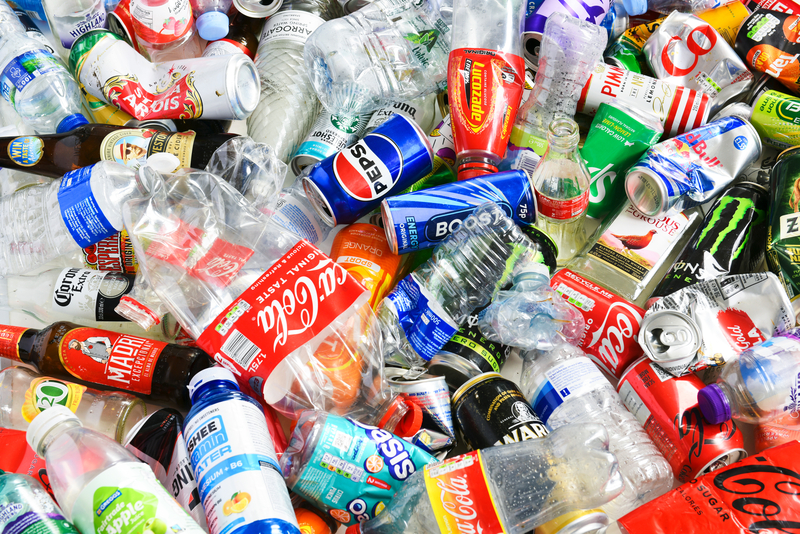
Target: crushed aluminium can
329	135
221	87
769	42
666	406
691	168
670	338
687	51
783	236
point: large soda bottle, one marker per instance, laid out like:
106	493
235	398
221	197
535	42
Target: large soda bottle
564	387
760	386
24	395
165	29
27	508
512	488
99	482
485	76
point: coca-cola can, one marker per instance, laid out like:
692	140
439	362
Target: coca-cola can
612	323
666	406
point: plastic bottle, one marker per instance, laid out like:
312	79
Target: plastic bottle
616	20
69	19
485	60
564	388
296	213
88	470
211	18
758	387
39	223
165	29
638	7
387	51
226	432
512	488
561	182
24	395
34	81
25	507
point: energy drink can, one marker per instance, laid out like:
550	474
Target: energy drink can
329	135
678	108
491	410
422	219
769	42
666	406
351	183
783	237
689	169
730	240
776	118
469	344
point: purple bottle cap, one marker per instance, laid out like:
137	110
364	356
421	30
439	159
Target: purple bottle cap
714	404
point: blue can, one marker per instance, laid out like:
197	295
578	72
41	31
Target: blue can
422	219
351	183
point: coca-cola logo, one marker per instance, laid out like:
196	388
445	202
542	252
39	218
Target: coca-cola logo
692	427
739	329
221	263
620	324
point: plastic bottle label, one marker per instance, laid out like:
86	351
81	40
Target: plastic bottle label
356	468
9	337
111	359
236	469
40	516
88	294
426	325
459	494
69	33
114	253
127	498
26	151
296	217
24	68
293	26
82	215
562	209
567	380
45	392
225	47
162	23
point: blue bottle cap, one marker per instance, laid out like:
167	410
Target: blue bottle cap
212	25
635	7
70	122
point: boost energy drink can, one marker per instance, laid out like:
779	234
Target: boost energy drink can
666	406
783	237
422	219
776	118
470	344
730	240
330	134
769	42
351	183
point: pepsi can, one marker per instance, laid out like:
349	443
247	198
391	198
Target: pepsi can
422	219
351	183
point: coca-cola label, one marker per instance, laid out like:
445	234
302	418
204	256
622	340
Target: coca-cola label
459	494
287	307
562	209
612	323
362	174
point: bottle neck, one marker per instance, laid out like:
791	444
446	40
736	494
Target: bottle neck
562	138
54	433
25	347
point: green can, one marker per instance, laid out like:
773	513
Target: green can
617	138
625	56
776	118
783	233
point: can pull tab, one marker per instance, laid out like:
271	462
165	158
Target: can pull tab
673	336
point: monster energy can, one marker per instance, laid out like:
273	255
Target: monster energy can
329	135
730	240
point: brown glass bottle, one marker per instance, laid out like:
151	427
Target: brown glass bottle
154	370
55	155
242	37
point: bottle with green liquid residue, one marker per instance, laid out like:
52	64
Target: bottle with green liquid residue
101	486
26	508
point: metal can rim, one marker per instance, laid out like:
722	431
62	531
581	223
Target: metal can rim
645	173
682	316
462	391
388	226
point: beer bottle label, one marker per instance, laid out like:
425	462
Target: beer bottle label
9	337
45	392
92	295
113	253
132	147
111	359
26	151
81	213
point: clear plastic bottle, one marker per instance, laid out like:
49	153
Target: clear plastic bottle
27	509
34	81
526	485
25	394
566	387
41	222
165	29
87	469
386	51
758	387
616	20
638	7
296	213
69	19
561	182
211	18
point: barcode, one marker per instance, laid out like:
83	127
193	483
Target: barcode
240	349
527	160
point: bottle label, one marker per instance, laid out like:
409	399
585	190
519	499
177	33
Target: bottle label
562	209
92	18
9	338
292	26
39	515
45	392
635	244
109	358
127	498
92	295
237	472
458	490
132	147
114	253
298	218
567	380
355	469
226	47
426	325
79	209
163	23
24	68
26	151
289	305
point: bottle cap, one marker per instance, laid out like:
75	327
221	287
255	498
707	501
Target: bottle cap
635	7
211	374
411	422
212	25
714	404
70	122
353	529
396	406
531	271
43	423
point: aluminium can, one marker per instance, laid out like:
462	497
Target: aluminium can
669	337
430	392
329	135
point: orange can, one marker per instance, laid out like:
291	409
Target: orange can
363	250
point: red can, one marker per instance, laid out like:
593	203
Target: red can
612	323
667	408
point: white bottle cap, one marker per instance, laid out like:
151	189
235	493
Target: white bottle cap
43	423
209	375
164	162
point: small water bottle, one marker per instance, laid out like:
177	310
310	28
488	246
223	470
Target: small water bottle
25	507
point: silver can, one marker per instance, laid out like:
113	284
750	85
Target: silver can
329	134
257	9
670	338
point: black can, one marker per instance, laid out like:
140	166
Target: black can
491	410
731	240
469	343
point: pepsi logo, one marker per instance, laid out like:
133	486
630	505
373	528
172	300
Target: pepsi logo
362	173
